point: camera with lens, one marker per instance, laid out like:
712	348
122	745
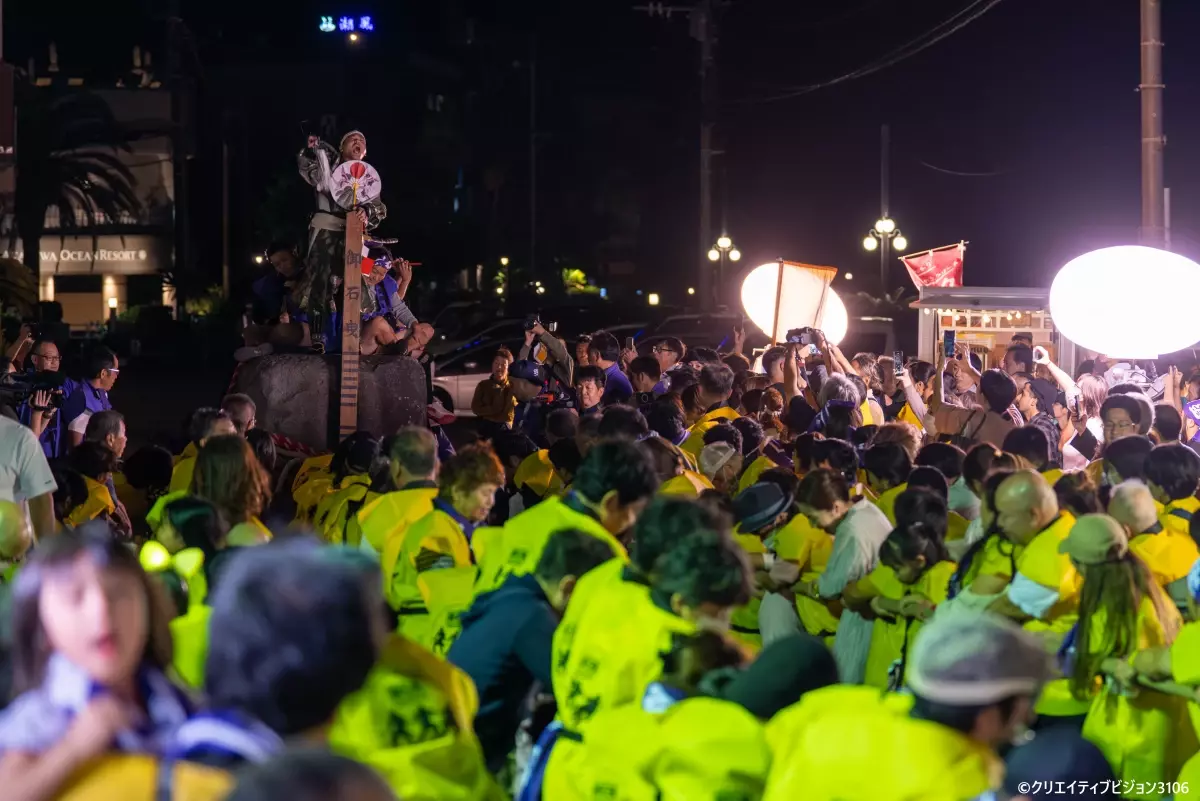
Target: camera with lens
803	336
535	319
18	387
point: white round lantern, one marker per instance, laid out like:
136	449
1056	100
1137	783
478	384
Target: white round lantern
806	299
1127	301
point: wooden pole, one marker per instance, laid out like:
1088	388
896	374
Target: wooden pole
351	322
778	301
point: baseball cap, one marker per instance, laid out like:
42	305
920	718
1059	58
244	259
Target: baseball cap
975	661
1094	540
528	370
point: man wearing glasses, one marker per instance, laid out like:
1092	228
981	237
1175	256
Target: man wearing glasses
668	354
37	412
82	399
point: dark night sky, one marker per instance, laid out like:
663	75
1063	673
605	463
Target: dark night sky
1042	93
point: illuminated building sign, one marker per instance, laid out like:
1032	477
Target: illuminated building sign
363	24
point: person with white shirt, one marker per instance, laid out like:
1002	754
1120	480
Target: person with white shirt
859	529
25	475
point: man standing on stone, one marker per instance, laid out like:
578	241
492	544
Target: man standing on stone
327	227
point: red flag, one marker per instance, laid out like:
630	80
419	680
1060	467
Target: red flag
940	267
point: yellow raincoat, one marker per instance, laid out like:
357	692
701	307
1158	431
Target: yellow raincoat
1185	669
515	549
1168	554
384	520
743	624
753	471
1177	516
413	723
688	484
334	519
435	533
98	502
1147	738
809	547
181	474
851	743
700	748
892	639
887	502
695	440
608	647
310	468
537	472
1041	562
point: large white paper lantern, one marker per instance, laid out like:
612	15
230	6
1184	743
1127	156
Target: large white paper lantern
1128	301
806	300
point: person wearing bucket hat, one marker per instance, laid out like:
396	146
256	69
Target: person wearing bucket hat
973	683
1146	737
758	512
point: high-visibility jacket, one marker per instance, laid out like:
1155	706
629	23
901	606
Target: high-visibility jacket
892	640
1168	554
339	508
755	469
743	624
412	723
537	472
1146	738
695	439
435	533
515	549
384	520
1177	516
608	647
887	501
809	547
1041	562
894	757
98	503
696	748
688	484
181	474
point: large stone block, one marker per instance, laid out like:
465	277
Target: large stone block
296	395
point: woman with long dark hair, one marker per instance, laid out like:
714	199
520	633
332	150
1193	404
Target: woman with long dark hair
90	646
229	475
1146	736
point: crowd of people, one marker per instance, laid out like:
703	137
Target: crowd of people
684	575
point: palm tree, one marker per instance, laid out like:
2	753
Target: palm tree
68	158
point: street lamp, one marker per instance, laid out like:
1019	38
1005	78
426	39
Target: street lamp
884	236
504	261
720	252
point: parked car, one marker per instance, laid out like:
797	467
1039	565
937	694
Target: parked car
456	374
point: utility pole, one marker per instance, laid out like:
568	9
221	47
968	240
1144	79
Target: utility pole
180	144
885	245
1151	88
703	30
533	157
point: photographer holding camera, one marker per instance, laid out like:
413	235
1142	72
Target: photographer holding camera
543	345
40	394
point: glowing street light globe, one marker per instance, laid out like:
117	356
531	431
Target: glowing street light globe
900	243
1128	301
714	255
735	255
889	225
724	243
807	300
870	243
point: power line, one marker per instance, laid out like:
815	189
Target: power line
964	17
960	173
